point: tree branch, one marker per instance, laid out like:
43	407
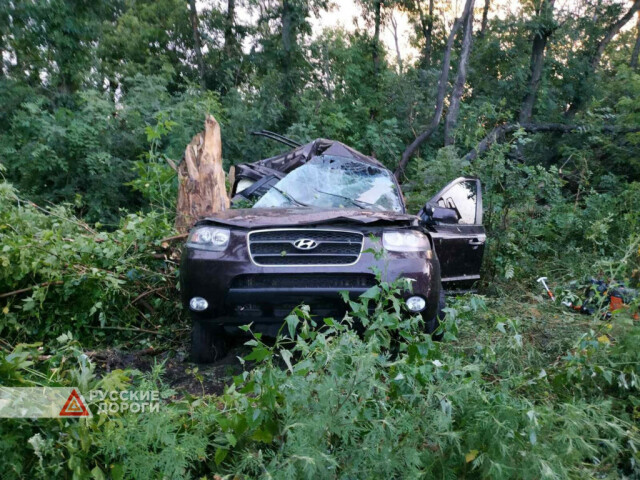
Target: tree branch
498	133
615	28
442	88
28	289
458	88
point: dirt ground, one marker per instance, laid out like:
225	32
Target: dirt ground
178	372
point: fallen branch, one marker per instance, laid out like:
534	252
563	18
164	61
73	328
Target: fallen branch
498	133
127	329
149	292
174	238
28	289
66	219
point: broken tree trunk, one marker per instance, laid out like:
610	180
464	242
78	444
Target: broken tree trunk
201	187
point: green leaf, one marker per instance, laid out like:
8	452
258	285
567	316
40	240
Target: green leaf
220	455
117	471
292	323
97	473
262	435
258	354
372	293
286	356
231	439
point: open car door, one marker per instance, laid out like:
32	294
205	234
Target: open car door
453	218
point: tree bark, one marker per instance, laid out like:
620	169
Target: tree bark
193	13
594	61
394	25
485	17
636	49
376	36
498	133
427	30
538	47
229	24
201	180
435	120
287	52
458	88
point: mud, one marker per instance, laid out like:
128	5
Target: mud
177	371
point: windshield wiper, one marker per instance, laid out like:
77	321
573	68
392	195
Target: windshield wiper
358	203
290	197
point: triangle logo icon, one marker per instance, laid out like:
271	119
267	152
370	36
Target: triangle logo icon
74	406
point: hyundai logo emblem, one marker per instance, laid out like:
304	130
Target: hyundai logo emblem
305	244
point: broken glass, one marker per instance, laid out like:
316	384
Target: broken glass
329	181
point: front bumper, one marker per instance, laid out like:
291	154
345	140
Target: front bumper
240	292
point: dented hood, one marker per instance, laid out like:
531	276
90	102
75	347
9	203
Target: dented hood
290	217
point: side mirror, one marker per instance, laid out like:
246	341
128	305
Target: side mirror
434	215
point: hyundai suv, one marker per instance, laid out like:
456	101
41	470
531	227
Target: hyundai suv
317	215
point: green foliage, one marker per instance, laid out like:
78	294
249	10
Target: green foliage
78	279
98	98
87	155
327	402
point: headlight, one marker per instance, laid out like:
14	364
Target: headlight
209	238
409	241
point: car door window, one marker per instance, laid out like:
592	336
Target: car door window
462	197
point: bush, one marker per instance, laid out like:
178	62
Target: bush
61	275
329	403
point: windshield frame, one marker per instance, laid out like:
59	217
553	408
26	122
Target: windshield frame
395	190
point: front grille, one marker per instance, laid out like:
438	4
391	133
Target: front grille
277	247
304	280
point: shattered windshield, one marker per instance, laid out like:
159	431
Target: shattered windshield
335	182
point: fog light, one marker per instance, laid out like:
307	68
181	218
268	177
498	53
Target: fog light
416	304
198	304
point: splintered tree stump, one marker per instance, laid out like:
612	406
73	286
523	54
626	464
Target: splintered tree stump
201	190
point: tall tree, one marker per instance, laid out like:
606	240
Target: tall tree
485	17
543	27
394	31
442	89
288	38
421	15
230	41
377	21
636	48
4	31
426	22
594	56
148	37
373	11
193	14
461	79
612	32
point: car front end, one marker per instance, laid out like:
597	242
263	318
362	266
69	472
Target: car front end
235	272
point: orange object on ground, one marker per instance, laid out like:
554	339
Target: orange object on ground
616	303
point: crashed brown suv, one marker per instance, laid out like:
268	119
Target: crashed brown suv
318	213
